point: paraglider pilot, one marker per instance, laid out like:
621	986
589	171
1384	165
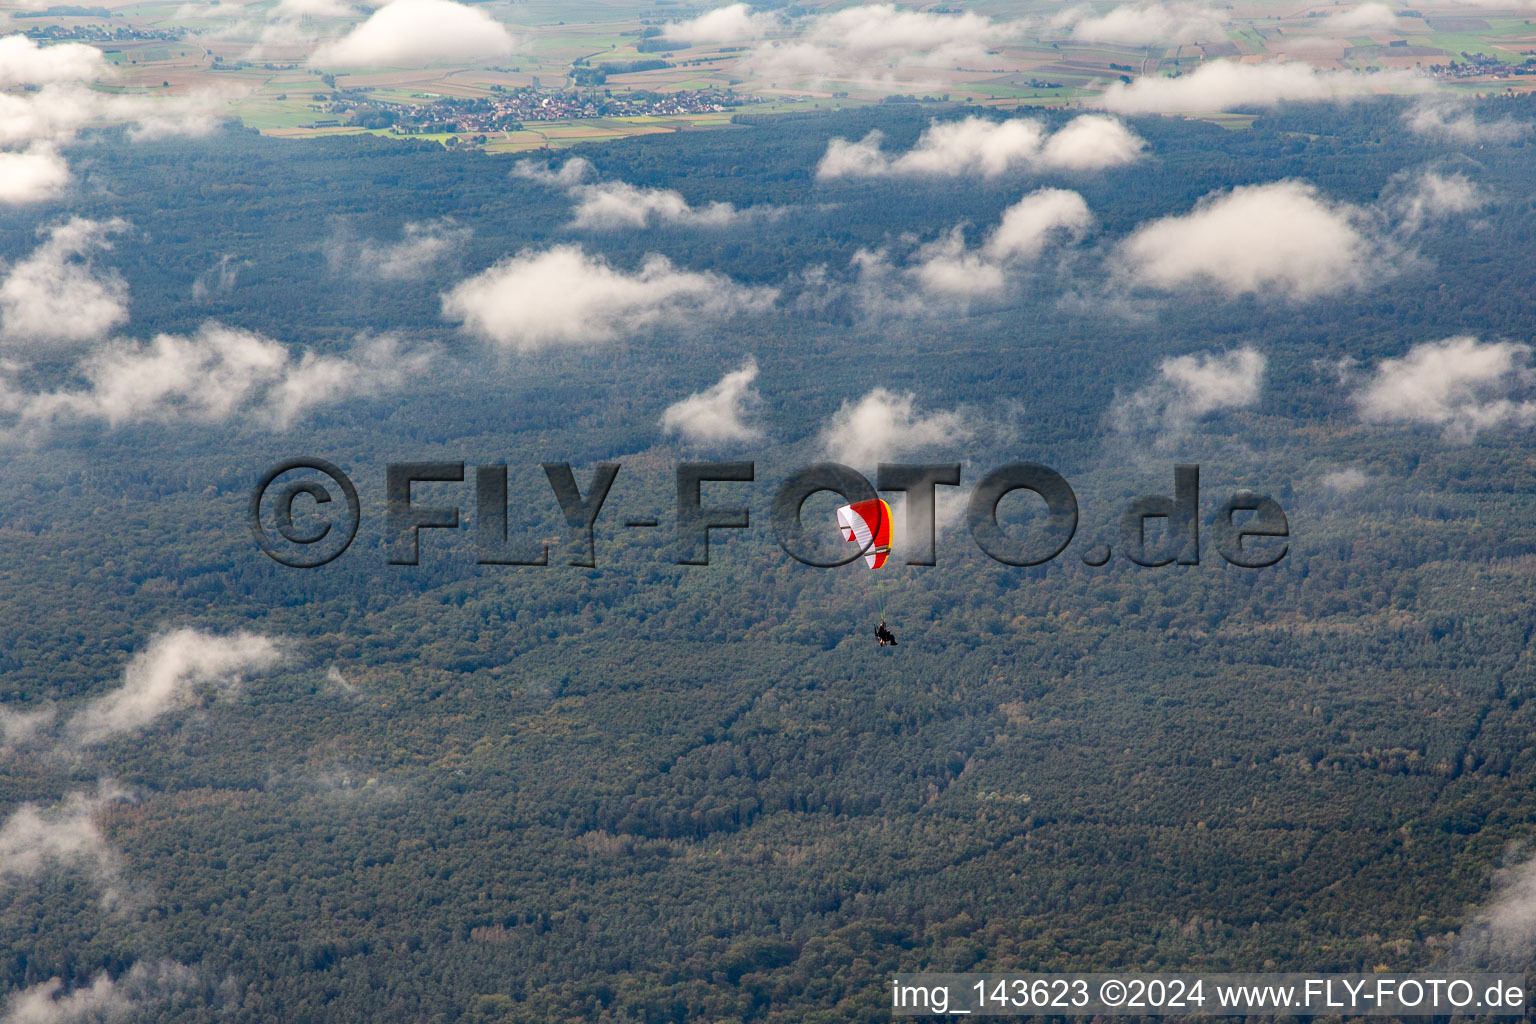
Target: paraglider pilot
868	523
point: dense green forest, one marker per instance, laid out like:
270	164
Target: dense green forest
653	792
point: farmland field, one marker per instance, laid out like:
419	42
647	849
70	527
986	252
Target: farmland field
258	69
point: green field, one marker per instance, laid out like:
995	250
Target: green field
554	35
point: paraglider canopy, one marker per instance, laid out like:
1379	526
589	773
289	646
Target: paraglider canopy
868	524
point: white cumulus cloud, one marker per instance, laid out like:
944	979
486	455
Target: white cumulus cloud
165	676
1366	18
1450	120
18	728
312	9
57	294
104	999
615	204
421	244
949	270
1500	936
1147	24
25	62
1089	143
884	425
735	23
1434	196
55	102
38	120
611	205
1282	238
976	145
1188	388
719	413
947	267
870	40
214	375
33	174
37	839
1344	481
415	33
34	839
563	296
56	112
1461	384
1225	84
883	28
572	172
1031	223
47	1003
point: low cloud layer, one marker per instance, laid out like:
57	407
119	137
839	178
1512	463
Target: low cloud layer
1146	24
1431	196
1031	223
53	103
55	113
719	414
38	839
564	296
35	839
312	9
948	268
217	280
19	728
1189	388
24	62
1501	935
215	375
422	244
1224	85
1281	239
1462	385
1344	481
614	205
572	172
415	33
1366	18
884	425
979	146
57	293
104	999
868	41
1452	120
166	675
736	23
32	174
